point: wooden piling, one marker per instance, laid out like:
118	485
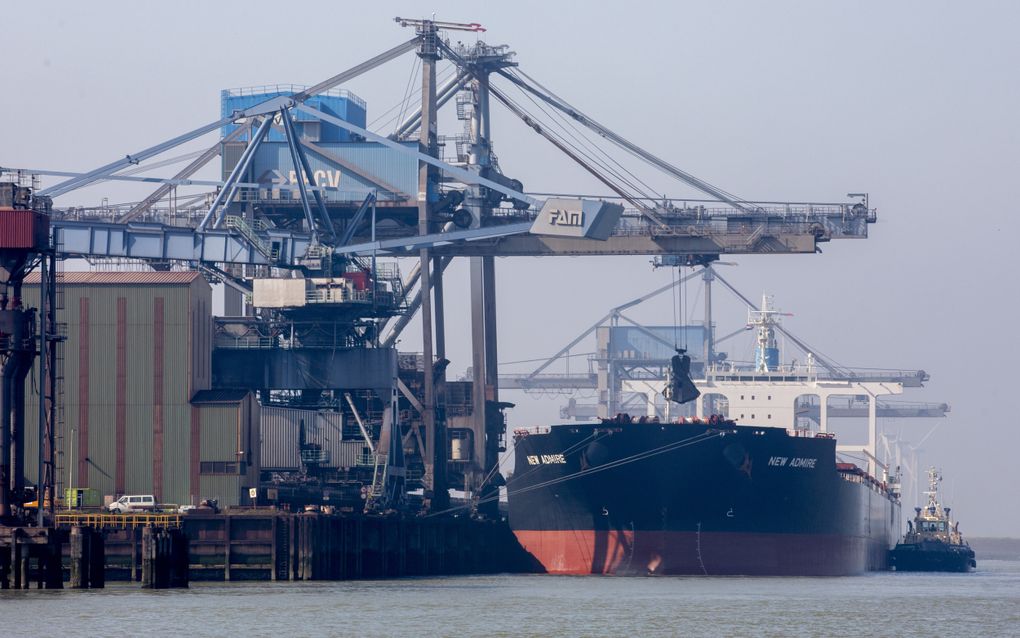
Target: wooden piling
273	557
54	569
302	544
78	566
148	557
16	560
135	540
226	549
292	563
308	548
165	558
97	559
5	569
402	548
358	548
88	558
179	559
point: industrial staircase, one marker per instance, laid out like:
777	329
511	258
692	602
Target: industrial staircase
377	491
237	223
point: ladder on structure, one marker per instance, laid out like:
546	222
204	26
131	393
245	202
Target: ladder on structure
56	423
377	490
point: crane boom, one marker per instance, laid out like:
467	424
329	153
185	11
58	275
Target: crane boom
450	26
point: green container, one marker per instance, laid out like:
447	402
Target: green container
78	497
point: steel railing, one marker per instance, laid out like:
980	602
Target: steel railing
117	520
290	89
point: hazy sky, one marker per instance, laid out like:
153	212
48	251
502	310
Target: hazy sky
916	103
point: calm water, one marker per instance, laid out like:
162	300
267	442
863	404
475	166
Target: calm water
984	603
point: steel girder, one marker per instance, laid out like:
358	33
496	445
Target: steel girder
163	243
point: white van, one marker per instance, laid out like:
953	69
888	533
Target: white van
133	503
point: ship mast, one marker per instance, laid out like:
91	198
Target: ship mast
934	478
764	321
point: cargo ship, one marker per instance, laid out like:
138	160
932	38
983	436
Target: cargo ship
933	542
700	496
711	495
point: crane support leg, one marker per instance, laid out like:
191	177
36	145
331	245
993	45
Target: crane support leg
434	418
298	151
230	186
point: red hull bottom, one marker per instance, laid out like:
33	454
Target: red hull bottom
712	553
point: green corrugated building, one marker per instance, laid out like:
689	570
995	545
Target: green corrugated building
137	412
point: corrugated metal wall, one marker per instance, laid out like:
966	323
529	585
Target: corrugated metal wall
200	364
23	228
225	489
100	318
280	430
353	453
252	414
223	436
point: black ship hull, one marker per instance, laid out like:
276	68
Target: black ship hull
931	556
695	499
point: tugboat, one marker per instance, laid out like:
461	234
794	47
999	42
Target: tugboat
933	542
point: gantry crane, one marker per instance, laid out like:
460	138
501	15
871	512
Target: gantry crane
461	209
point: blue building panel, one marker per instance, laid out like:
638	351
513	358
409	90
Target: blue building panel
339	103
393	174
630	342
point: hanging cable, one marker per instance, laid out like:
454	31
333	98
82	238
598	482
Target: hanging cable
822	359
379	118
566	356
576	148
634	458
640	456
676	337
570	451
559	114
517	110
408	90
658	163
395	118
683	309
557	118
